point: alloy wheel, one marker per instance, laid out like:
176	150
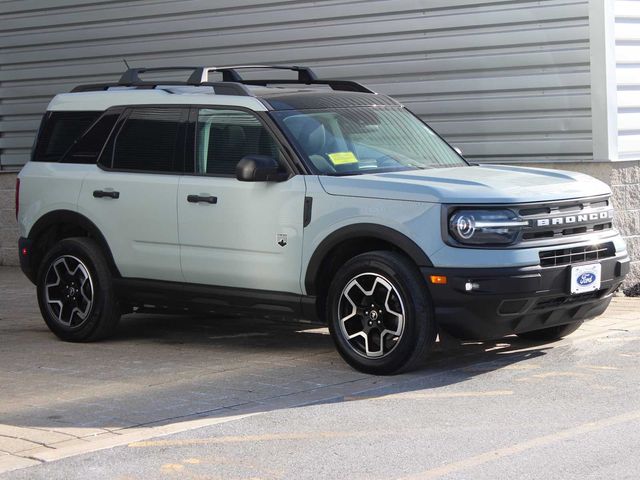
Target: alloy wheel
69	291
372	315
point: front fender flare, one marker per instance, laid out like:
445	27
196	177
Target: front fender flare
364	231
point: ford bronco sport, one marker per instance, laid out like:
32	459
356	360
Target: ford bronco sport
307	197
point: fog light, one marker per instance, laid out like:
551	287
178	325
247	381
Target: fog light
471	286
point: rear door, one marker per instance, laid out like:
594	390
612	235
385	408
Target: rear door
131	194
238	234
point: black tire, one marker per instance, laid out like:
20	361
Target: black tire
74	283
403	288
551	333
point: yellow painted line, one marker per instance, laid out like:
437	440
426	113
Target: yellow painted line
554	374
599	367
172	467
521	447
255	438
419	395
561	374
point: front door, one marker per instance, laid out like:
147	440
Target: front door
232	233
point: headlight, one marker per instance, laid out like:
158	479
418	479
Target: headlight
485	227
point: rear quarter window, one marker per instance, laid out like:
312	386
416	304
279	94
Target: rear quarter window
87	149
59	131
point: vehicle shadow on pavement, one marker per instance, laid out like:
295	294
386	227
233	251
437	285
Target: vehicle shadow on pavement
161	369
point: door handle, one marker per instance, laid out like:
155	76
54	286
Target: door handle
106	193
210	199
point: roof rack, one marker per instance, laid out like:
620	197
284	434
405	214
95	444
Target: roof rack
232	82
220	88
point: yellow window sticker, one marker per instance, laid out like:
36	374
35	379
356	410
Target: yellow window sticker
342	158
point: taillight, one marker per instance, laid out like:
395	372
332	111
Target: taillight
17	196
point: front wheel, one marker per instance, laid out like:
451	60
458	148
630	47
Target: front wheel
380	315
550	334
75	291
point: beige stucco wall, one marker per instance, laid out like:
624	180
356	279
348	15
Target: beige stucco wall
8	226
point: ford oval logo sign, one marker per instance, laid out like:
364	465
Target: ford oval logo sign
586	279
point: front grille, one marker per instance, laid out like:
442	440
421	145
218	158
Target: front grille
567	256
563	219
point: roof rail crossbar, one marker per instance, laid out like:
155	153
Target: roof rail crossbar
220	88
229	73
132	75
306	76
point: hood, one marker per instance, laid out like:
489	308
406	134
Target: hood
473	184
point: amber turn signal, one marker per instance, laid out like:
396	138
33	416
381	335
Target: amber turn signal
438	279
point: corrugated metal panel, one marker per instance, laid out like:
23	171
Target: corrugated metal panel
627	31
507	81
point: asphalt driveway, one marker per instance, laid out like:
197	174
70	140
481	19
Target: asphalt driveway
201	397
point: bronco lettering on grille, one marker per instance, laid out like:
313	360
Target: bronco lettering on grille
573	219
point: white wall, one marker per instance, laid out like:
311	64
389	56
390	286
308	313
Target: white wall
627	52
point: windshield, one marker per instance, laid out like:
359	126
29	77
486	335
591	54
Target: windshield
348	141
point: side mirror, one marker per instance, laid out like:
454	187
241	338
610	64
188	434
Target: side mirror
259	168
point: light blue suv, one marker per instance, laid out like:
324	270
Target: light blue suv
308	198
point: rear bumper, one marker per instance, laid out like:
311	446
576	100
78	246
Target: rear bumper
515	300
24	255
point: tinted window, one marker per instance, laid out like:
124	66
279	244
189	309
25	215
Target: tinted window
59	131
149	141
87	149
225	136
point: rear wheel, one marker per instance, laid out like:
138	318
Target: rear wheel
75	291
380	316
551	333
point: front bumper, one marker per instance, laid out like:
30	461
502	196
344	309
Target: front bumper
515	300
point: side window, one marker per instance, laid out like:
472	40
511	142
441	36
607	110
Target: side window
59	131
149	140
87	149
223	137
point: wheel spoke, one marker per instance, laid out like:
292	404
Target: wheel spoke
399	317
374	353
